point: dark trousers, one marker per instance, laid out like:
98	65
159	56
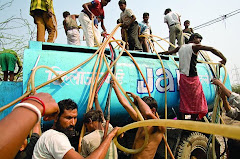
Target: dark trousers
134	43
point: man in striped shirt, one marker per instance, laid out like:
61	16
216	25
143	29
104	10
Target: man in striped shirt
45	19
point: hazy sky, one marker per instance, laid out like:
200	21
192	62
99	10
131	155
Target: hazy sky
222	35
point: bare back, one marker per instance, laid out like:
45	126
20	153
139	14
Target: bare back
155	137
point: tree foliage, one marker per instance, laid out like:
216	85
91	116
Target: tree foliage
15	31
236	88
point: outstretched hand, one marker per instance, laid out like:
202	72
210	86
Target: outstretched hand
114	131
216	82
132	95
223	61
114	85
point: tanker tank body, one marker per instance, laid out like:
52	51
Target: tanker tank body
76	85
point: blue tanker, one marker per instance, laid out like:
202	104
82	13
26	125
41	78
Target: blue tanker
76	85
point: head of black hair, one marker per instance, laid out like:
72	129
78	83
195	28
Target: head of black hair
145	14
93	115
108	0
167	11
150	101
195	35
65	14
186	21
122	2
66	104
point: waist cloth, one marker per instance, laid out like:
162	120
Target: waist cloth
192	98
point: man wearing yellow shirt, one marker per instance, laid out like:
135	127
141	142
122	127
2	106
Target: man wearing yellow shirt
8	60
45	19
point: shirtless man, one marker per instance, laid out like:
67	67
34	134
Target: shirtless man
148	108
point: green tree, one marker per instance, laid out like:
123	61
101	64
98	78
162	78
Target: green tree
15	32
236	88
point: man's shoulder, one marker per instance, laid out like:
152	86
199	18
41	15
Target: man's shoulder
174	13
194	46
51	133
96	2
93	139
167	16
128	10
94	134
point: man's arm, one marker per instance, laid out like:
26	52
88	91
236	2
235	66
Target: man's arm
179	19
37	128
226	105
99	153
170	52
26	119
192	30
64	26
224	90
146	112
103	26
230	112
125	103
144	108
33	140
133	18
216	52
86	8
48	7
74	16
97	105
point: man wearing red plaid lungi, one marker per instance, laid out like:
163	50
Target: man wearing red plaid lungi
192	98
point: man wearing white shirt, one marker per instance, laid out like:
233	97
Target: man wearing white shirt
54	143
175	30
147	31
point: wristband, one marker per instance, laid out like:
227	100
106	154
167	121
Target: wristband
30	107
38	99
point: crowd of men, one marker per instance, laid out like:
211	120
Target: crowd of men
55	142
44	17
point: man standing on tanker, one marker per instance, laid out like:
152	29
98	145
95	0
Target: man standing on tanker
192	98
71	28
90	10
45	19
175	30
